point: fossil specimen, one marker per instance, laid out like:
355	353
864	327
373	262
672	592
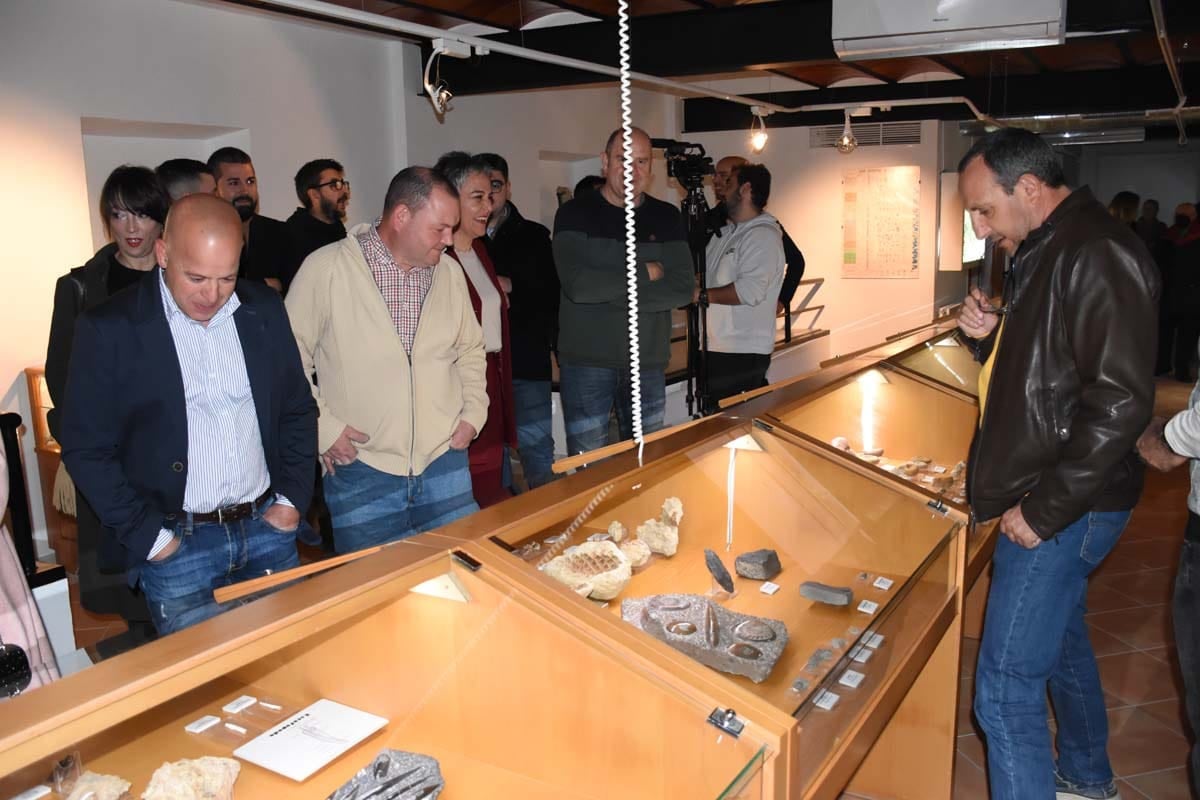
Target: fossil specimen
870	458
759	565
711	634
672	511
617	531
841	443
601	564
830	595
93	786
637	551
206	778
718	570
394	775
659	537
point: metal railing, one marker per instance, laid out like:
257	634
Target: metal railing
784	331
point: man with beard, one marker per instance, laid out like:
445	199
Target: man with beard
324	194
267	250
719	215
744	274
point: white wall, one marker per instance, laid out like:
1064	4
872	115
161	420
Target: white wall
806	196
300	90
1158	169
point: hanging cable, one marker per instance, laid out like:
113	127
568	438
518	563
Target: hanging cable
631	261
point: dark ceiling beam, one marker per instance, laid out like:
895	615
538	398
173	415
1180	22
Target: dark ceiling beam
946	65
1103	91
1032	58
867	71
578	9
418	6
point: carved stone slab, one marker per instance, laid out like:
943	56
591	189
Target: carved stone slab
725	640
394	775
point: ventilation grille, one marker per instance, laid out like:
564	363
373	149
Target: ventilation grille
869	134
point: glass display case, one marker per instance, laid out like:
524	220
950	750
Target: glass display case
860	582
945	359
463	665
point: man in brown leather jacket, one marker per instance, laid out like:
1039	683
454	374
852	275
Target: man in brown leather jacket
1066	388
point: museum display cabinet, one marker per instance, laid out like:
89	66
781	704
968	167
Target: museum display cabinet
852	669
945	359
513	697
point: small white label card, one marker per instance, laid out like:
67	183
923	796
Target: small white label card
827	700
939	469
883	583
202	724
308	740
241	704
769	588
33	794
863	654
851	678
868	606
875	641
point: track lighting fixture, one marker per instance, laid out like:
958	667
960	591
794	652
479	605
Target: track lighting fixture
758	129
847	143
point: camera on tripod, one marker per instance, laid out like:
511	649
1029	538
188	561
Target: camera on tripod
686	162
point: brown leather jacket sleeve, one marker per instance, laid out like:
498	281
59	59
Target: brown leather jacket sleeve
1109	310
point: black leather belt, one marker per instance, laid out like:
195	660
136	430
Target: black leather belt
232	513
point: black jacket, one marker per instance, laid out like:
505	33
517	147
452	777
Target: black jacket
1072	386
269	253
125	427
521	252
308	234
792	257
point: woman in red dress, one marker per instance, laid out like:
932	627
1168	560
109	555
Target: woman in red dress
489	452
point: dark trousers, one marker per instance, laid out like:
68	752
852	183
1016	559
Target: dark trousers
1166	337
1187	335
1187	636
104	590
734	373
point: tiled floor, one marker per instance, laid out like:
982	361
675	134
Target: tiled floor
1130	622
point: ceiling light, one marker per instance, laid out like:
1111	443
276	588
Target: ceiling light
846	143
758	129
439	91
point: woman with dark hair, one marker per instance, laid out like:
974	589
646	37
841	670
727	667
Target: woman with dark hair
133	208
471	176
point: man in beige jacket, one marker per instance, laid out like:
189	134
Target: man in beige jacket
384	320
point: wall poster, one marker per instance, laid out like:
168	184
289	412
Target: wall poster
881	226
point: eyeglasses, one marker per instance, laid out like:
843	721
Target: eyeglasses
337	184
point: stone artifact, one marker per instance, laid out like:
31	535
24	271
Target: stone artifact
718	569
758	565
601	564
93	786
921	461
830	595
617	531
659	537
672	511
874	451
724	640
869	458
841	443
909	470
394	775
205	778
637	551
959	470
819	657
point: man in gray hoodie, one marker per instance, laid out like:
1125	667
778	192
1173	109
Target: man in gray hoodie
744	274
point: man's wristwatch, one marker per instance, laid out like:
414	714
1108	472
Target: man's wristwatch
703	300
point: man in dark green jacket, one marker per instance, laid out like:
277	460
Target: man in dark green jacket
593	339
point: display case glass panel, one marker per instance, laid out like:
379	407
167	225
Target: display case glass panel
464	666
760	489
895	423
945	359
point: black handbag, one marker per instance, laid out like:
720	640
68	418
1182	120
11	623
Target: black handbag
15	672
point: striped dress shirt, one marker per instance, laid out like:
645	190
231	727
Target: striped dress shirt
226	464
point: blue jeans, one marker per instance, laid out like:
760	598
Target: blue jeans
535	436
179	588
1034	634
589	395
370	507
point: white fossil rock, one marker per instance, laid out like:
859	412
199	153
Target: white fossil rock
841	443
205	778
617	531
94	786
637	551
601	564
874	451
870	458
659	537
672	511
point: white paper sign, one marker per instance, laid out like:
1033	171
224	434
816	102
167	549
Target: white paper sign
868	606
862	655
851	678
307	741
883	583
875	641
769	588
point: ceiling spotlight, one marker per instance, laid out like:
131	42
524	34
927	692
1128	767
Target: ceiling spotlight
758	129
438	90
846	143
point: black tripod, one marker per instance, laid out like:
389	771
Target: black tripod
695	220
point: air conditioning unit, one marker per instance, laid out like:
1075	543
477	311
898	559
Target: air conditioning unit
869	29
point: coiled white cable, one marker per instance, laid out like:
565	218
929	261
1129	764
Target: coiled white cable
631	264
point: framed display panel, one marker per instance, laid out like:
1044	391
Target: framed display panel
511	698
946	360
826	523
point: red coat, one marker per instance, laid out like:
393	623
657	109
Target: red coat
487	451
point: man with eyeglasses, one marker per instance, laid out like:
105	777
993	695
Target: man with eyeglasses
324	194
267	247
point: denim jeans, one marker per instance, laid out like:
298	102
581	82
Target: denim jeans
535	436
1186	610
179	588
1034	634
589	395
370	507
